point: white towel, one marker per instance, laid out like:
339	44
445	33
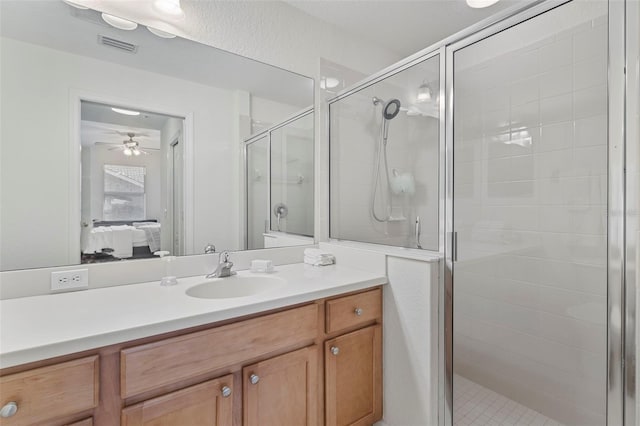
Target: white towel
317	257
122	241
313	252
153	234
98	239
316	262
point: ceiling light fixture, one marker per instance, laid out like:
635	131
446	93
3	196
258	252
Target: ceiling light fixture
136	151
161	33
479	4
125	111
329	83
76	5
127	152
424	93
170	8
122	24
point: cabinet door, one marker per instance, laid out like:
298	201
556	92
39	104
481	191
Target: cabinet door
353	378
282	390
207	404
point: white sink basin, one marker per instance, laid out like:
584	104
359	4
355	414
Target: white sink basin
235	286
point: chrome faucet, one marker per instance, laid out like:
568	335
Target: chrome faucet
224	267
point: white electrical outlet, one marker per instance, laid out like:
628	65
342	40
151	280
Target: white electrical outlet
68	280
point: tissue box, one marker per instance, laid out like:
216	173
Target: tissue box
261	265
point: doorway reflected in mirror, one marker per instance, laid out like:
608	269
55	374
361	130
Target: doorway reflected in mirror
132	194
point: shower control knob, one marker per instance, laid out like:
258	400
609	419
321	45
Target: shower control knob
335	350
226	391
9	410
254	379
358	311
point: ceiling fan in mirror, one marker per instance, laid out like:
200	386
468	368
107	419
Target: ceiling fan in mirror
130	146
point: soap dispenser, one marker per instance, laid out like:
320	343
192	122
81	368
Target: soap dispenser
169	278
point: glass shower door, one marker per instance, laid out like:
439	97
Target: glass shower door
530	222
257	161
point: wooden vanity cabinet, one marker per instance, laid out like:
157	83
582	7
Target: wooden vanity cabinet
308	365
353	360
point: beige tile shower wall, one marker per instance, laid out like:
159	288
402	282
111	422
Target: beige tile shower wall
530	211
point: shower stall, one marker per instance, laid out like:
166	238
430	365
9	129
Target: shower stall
384	161
278	165
504	148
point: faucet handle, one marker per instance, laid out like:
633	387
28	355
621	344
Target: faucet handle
209	248
224	257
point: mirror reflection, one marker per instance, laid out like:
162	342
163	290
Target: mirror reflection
132	181
279	174
122	143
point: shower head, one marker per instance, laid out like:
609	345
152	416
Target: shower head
391	109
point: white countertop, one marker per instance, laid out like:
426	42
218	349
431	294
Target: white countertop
40	327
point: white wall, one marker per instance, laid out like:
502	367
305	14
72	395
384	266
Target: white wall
36	162
410	338
266	113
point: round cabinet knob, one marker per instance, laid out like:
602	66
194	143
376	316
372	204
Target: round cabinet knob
358	311
254	379
226	391
9	409
335	350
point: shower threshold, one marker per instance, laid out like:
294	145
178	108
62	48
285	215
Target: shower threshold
475	405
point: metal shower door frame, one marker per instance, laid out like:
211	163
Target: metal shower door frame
632	203
245	157
618	402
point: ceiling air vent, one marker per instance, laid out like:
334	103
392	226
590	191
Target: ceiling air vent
117	44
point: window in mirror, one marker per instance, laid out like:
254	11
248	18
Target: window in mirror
124	196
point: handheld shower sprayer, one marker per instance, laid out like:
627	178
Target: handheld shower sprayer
390	110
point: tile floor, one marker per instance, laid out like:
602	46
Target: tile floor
475	405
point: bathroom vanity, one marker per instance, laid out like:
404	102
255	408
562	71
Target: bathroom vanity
307	360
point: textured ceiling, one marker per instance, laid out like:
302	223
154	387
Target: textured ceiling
57	25
401	26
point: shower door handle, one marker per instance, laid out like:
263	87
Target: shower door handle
454	246
418	231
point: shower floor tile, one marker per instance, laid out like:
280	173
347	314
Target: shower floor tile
475	405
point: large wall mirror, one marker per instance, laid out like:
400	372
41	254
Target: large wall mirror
117	144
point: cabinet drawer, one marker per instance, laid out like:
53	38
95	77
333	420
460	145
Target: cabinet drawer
207	404
85	422
353	310
49	392
147	367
